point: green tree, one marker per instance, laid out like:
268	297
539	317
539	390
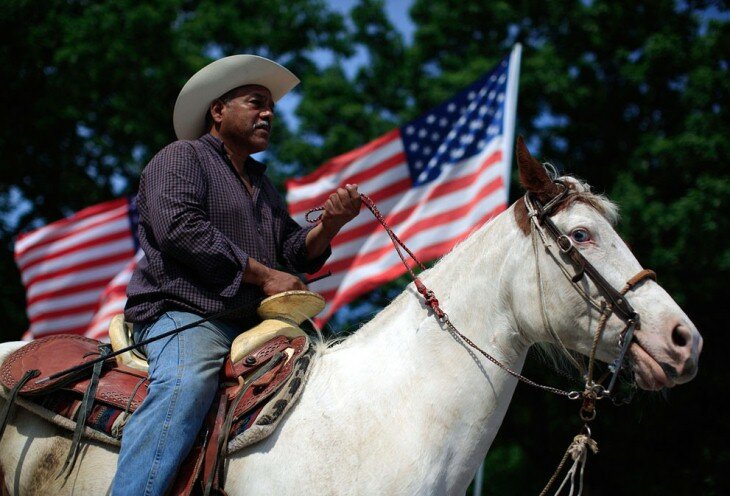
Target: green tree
89	87
632	96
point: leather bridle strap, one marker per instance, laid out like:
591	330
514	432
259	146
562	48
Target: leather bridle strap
615	298
628	334
432	302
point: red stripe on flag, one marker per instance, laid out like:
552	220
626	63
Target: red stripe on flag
399	216
92	243
391	190
64	228
373	171
64	312
119	257
70	290
340	162
418	226
112	301
66	263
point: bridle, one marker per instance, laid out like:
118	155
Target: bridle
615	302
543	228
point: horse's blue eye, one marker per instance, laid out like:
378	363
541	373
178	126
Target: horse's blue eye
581	235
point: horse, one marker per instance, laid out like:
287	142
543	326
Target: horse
404	406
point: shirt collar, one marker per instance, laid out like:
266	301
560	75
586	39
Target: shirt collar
252	165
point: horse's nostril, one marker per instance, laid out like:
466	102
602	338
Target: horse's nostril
679	337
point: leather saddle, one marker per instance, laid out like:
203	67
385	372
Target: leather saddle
260	362
281	315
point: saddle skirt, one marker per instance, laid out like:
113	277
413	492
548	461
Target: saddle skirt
121	389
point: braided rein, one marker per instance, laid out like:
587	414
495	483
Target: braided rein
614	303
432	302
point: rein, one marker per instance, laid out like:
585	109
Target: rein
433	303
543	227
540	217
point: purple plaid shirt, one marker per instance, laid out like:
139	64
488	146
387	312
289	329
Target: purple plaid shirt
198	225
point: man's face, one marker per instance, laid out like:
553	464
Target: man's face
245	120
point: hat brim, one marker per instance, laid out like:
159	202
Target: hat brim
218	78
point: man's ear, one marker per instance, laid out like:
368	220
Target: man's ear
216	110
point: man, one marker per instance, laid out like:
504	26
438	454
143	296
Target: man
213	229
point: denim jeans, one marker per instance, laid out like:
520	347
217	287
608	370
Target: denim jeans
183	376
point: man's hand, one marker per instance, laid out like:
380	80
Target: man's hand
278	282
271	281
340	208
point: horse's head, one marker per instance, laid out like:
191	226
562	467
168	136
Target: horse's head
584	264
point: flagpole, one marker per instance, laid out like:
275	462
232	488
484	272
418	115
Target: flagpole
510	119
479	480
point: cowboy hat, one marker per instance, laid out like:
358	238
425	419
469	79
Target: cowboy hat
218	78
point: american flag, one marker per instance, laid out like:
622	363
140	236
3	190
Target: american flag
436	179
75	270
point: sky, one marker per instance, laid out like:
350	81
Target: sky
396	10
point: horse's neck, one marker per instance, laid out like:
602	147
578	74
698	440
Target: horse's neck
420	376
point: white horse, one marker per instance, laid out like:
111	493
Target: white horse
402	407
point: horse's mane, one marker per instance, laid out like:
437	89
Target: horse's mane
322	344
579	191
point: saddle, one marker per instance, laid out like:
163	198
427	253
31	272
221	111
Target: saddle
269	360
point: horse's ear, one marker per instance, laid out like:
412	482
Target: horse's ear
533	176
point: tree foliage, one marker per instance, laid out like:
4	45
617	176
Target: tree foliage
89	88
632	96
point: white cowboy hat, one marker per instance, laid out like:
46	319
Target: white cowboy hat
219	77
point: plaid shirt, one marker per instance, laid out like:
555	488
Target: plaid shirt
198	225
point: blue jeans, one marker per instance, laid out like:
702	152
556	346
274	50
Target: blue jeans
183	375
